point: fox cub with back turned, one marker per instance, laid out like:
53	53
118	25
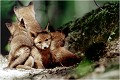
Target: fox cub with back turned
20	45
23	54
27	13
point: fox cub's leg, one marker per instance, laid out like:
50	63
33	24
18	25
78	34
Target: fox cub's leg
10	59
29	63
24	53
37	57
38	64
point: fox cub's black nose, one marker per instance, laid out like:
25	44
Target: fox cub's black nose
45	47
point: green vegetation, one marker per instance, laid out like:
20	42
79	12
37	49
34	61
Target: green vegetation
84	67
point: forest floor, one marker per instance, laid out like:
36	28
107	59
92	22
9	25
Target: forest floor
106	68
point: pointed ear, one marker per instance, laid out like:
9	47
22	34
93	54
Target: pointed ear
31	7
15	8
8	25
22	23
51	28
33	35
30	4
47	28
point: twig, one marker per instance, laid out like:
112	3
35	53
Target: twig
101	8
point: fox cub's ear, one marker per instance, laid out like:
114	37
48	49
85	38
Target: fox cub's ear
22	23
33	35
47	28
30	4
15	8
50	27
8	25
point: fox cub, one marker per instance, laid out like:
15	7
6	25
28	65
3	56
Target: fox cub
20	44
23	54
32	47
62	57
42	43
27	13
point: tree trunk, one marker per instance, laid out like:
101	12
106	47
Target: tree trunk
100	25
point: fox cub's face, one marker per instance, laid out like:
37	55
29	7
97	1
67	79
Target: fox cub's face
43	40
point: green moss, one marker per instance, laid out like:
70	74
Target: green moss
95	26
7	47
84	67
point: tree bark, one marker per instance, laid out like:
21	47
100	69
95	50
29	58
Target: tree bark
100	25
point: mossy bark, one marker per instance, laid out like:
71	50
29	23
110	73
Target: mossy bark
100	25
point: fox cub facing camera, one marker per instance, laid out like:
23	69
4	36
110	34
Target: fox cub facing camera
42	43
51	47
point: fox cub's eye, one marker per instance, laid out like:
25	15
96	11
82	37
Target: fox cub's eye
46	40
39	42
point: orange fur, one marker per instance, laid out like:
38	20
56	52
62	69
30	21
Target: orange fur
61	56
42	43
58	39
55	53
